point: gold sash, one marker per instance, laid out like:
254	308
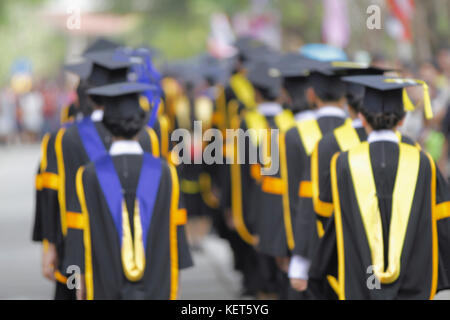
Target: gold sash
346	136
310	134
133	253
402	198
243	90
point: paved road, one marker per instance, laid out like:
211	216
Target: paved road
20	278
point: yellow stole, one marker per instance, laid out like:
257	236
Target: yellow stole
243	90
402	198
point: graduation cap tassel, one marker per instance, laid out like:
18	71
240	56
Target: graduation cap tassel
409	106
426	100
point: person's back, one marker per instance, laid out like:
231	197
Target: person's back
387	236
134	240
396	240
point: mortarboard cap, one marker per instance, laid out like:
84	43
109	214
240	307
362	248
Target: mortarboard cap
250	48
100	44
326	78
388	94
121	100
109	67
265	76
81	69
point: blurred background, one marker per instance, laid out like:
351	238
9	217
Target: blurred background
37	37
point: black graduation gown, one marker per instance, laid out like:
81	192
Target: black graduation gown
160	279
268	205
418	272
303	216
65	155
321	159
161	128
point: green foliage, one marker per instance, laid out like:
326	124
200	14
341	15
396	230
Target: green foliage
24	35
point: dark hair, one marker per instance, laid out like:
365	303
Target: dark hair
380	120
354	102
329	95
85	105
125	127
297	92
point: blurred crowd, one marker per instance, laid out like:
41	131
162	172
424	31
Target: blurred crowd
25	115
432	134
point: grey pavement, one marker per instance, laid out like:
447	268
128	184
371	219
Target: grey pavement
212	277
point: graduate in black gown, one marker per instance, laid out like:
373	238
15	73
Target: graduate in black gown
133	246
327	93
69	151
294	70
388	236
253	189
350	134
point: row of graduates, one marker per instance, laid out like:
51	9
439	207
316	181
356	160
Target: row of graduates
108	206
280	225
356	210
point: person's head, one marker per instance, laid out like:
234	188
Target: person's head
327	90
382	120
295	89
125	127
354	96
123	116
383	106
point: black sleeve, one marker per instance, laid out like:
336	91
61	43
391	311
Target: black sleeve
38	211
74	245
324	264
325	150
295	166
184	254
442	189
51	226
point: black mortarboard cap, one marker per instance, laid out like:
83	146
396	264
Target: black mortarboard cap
108	67
100	44
250	48
265	76
354	91
81	69
121	100
326	77
383	93
294	65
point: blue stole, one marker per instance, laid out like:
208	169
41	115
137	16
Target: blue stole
90	139
146	192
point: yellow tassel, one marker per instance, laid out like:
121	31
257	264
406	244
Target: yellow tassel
426	100
409	106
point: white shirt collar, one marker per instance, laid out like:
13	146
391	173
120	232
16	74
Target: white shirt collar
382	135
357	123
331	111
97	115
125	147
305	115
270	108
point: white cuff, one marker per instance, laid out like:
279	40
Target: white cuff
299	267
